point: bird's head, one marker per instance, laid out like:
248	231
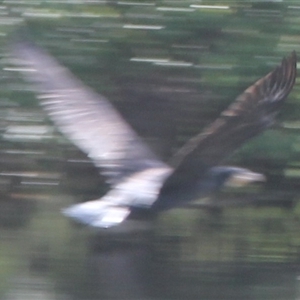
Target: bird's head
224	176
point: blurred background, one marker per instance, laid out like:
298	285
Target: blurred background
170	67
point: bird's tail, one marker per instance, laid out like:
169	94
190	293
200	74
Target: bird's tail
97	213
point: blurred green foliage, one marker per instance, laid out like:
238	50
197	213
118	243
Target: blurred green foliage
169	79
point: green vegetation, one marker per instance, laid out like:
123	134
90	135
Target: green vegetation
170	78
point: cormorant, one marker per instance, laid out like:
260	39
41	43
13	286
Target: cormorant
138	179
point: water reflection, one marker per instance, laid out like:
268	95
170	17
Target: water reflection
210	258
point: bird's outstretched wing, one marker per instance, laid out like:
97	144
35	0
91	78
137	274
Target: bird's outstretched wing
252	112
87	119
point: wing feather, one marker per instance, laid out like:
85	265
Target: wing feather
89	120
252	112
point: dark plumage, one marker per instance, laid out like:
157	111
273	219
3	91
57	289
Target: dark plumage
138	178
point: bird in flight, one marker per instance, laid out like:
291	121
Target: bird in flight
137	178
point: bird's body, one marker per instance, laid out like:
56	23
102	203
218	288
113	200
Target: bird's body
138	179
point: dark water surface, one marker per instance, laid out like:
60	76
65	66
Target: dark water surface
47	257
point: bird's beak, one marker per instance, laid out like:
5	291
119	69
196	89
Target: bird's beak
244	178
